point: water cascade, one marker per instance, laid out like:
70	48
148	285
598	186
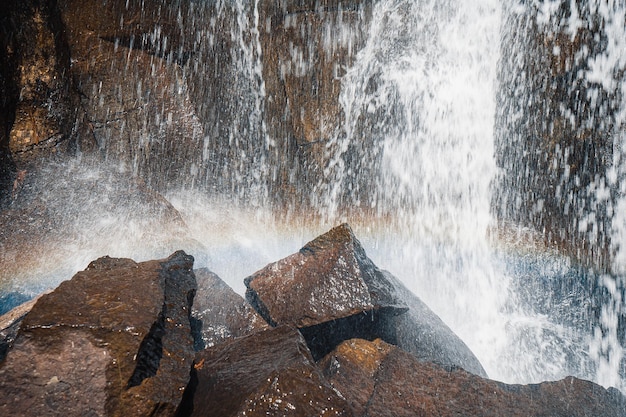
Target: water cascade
475	147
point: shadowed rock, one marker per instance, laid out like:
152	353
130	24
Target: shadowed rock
332	292
221	312
378	379
114	340
267	373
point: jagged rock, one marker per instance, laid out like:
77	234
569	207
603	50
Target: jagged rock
267	373
114	340
221	312
378	379
332	292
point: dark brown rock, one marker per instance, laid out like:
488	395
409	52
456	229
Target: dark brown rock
329	278
40	103
306	50
268	373
332	292
222	312
381	380
555	135
114	340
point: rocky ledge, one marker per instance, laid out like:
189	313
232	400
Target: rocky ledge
323	332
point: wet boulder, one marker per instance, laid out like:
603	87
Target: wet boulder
332	292
114	340
267	373
378	379
220	312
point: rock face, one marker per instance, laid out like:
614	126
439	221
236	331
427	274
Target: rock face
382	380
267	373
554	136
114	340
36	80
180	93
221	313
332	291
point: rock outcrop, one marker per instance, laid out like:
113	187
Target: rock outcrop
332	292
114	340
378	379
118	340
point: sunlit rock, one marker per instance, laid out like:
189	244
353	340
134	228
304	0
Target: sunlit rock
114	340
221	312
378	379
267	373
332	292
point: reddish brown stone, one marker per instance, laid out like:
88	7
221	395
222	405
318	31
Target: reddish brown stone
382	380
114	340
332	291
329	278
268	373
222	312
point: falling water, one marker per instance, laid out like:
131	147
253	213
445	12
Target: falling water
430	164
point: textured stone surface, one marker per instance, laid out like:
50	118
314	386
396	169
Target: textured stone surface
222	312
267	373
38	89
381	380
332	291
329	278
114	340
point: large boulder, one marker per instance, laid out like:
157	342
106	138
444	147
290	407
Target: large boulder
378	379
114	340
220	312
332	292
267	373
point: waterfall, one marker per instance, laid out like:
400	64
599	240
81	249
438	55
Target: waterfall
426	77
475	147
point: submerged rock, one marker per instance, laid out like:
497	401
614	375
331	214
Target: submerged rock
267	373
114	340
378	379
332	292
221	312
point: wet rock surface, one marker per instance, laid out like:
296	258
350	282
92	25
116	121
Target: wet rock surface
221	312
118	340
167	88
378	379
114	340
332	291
268	372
